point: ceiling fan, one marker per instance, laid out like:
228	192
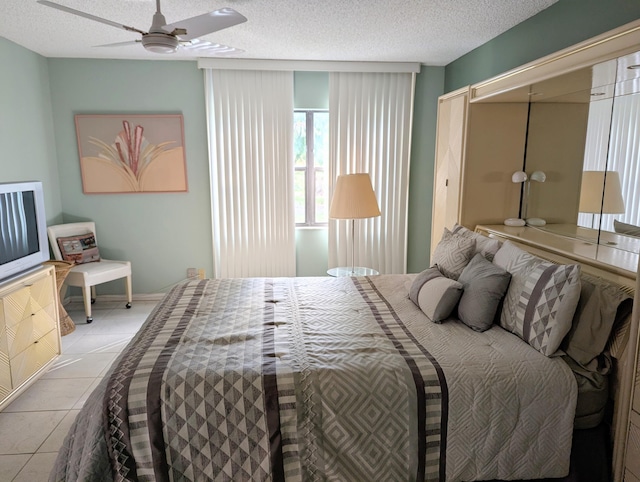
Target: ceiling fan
164	38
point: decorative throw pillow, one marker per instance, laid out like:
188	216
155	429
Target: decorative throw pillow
486	246
602	305
539	308
624	228
420	280
435	294
81	248
519	264
452	254
484	285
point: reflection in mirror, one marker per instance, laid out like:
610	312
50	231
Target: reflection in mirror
619	182
593	152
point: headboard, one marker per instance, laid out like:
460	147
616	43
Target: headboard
623	343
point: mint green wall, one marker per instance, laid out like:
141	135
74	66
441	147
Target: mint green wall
26	127
311	91
565	23
429	86
161	234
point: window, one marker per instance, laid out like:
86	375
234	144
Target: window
311	159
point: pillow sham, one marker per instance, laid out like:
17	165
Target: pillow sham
602	305
541	299
435	294
81	248
624	228
486	246
452	254
484	285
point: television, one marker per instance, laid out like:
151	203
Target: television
23	228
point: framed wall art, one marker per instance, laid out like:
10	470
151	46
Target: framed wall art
131	153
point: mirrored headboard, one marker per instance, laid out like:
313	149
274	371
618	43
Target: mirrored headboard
583	134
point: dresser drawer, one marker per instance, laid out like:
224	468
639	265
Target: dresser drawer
34	357
5	375
27	300
23	334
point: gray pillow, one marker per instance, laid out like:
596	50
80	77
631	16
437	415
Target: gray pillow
420	280
437	295
484	285
453	253
488	247
624	228
601	306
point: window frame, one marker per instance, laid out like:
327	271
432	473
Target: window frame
310	170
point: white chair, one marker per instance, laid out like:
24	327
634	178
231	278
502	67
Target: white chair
88	275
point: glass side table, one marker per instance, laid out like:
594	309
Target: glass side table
347	271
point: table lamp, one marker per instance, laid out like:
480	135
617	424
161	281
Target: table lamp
596	197
517	177
353	199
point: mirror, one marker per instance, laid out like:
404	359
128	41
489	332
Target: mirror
583	133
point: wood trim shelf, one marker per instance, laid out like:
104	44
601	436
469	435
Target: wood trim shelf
622	263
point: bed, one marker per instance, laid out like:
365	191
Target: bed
321	379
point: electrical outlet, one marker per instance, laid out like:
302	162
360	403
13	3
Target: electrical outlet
201	273
192	273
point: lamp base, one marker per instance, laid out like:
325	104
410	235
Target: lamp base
514	222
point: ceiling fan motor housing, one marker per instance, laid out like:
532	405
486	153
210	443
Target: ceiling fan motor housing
160	43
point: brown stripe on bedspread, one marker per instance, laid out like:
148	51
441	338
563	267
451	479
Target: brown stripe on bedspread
429	441
270	382
124	417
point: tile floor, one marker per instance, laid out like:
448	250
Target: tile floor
34	425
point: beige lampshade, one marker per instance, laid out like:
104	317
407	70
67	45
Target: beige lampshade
354	198
591	200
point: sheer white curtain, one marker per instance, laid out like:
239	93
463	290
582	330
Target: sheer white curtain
250	122
370	119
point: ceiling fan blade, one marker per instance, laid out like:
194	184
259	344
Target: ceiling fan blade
89	16
206	23
120	44
210	48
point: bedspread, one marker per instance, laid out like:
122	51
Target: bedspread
316	379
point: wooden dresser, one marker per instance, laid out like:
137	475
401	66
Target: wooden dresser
29	330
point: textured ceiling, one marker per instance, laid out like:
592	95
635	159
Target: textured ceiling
433	32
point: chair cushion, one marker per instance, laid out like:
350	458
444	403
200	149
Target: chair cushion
80	248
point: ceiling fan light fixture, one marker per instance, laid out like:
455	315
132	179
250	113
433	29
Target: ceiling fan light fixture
160	43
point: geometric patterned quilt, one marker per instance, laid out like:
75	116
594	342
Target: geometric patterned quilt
243	379
299	379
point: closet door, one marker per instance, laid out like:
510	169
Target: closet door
450	146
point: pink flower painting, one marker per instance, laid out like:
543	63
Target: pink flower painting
129	154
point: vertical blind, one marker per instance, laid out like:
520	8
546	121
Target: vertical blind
370	119
250	122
